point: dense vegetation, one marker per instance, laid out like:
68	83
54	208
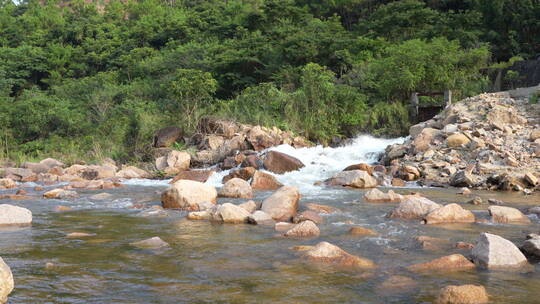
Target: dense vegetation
92	80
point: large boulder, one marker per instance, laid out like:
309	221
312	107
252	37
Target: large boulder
493	251
451	213
264	181
229	213
414	207
327	253
36	167
464	294
260	218
361	166
236	188
188	195
502	214
260	139
98	172
194	175
19	174
454	262
174	162
463	179
6	281
304	229
353	178
167	136
280	163
51	163
282	205
14	215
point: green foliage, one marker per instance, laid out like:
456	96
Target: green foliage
533	99
94	79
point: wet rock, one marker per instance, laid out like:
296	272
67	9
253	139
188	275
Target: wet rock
377	196
451	213
476	201
531	179
282	205
414	208
493	251
308	215
101	196
531	246
463	179
396	284
322	208
501	214
151	243
457	140
167	136
398	182
6	281
454	262
229	213
264	181
409	173
283	226
304	229
327	253
496	202
464	294
187	195
194	175
14	215
62	208
431	243
463	245
280	163
244	173
253	161
354	178
362	166
7	183
199	215
249	206
260	218
236	188
465	191
361	231
60	194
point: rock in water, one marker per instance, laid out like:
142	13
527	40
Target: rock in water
304	229
236	188
260	218
6	281
280	163
414	208
377	196
325	252
14	215
452	262
151	243
451	213
7	183
188	195
532	247
60	194
493	251
282	205
229	213
264	181
501	214
464	294
353	178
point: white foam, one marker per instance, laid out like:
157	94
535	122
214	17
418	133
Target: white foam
146	182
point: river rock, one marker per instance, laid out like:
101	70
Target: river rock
432	243
211	125
129	172
236	188
532	246
531	179
260	218
457	140
97	172
151	243
283	226
249	206
6	281
354	178
51	163
464	294
282	205
199	215
14	215
377	196
7	183
60	194
357	230
304	229
502	214
194	175
101	196
264	181
463	179
36	167
167	136
451	213
414	208
308	215
493	251
396	284
362	166
260	139
454	262
324	209
280	163
229	213
244	173
327	253
188	195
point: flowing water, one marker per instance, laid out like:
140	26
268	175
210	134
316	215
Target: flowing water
214	263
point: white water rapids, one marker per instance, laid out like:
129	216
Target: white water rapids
320	162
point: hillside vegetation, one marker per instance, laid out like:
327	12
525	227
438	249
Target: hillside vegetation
89	80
